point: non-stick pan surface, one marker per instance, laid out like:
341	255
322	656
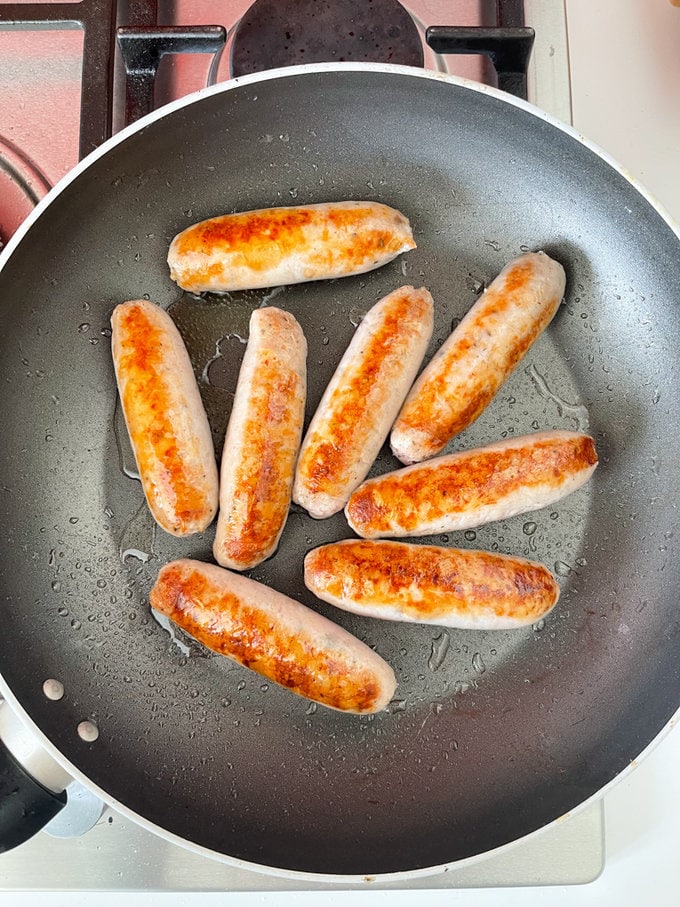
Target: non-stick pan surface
491	735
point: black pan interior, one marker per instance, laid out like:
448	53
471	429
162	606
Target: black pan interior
491	735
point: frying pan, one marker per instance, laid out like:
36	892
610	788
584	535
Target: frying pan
492	735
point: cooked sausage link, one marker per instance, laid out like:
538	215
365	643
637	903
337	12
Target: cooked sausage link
274	246
273	635
262	441
464	376
473	487
165	418
362	399
431	585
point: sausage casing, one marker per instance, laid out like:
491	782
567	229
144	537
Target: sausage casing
431	585
465	374
473	487
274	246
165	418
262	441
273	635
362	399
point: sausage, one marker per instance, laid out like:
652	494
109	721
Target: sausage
473	487
463	377
262	441
362	399
273	635
425	584
165	418
274	246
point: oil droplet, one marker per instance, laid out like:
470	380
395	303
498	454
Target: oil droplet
139	536
53	689
440	646
529	528
88	731
164	621
574	411
478	663
474	283
470	535
311	708
240	685
83	328
539	625
437	708
75	623
397	705
62	612
56	586
562	569
136	553
356	316
126	458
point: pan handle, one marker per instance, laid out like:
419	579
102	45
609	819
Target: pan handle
27	800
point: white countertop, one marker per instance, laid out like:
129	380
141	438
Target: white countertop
625	67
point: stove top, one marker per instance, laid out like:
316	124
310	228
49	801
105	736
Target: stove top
118	855
65	89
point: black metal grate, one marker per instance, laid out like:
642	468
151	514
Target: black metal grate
143	43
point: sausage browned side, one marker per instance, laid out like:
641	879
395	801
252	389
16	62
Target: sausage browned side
362	399
472	487
274	246
273	635
465	374
262	441
165	418
426	584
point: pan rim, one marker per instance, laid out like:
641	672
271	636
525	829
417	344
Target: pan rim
307	69
17	238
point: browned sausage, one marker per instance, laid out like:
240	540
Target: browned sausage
274	246
465	374
262	441
362	399
426	584
274	636
472	487
165	418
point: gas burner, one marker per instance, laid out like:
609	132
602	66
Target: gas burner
275	33
22	185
